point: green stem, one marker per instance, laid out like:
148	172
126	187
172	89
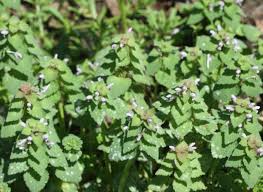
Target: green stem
61	118
123	15
125	175
105	156
40	22
212	171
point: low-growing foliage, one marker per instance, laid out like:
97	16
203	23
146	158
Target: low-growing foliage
152	100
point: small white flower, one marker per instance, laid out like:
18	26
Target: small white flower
183	54
45	137
44	89
149	120
184	88
21	144
260	151
244	135
251	105
89	97
23	124
99	79
43	121
29	105
236	44
4	32
103	99
255	68
110	85
175	31
97	93
21	147
79	70
125	128
121	45
256	108
193	95
157	127
139	137
240	125
56	56
239	2
219	27
212	33
78	109
41	76
227	40
221	4
168	96
192	147
178	90
197	81
66	60
16	54
234	98
129	114
29	138
134	103
230	108
50	143
220	45
249	116
130	30
238	71
92	66
114	46
172	148
208	60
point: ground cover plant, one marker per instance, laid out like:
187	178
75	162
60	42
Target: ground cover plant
136	97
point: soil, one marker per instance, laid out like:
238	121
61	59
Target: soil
254	12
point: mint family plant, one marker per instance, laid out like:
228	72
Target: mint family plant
168	101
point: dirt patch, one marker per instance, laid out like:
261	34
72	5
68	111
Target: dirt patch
254	12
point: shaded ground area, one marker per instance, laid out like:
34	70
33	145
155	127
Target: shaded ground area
254	12
252	8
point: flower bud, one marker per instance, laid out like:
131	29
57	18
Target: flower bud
212	33
249	116
4	32
230	108
192	147
183	54
130	30
172	148
234	98
260	151
89	97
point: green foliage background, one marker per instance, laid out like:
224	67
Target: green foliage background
147	100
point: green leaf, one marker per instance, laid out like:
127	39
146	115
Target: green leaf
151	150
179	186
119	87
195	18
165	79
205	43
16	167
251	32
219	149
116	152
36	183
70	174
